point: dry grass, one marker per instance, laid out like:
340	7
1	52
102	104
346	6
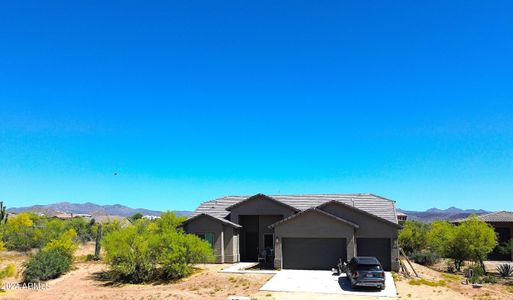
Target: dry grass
422	281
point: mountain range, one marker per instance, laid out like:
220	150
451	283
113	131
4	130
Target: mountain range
433	214
91	209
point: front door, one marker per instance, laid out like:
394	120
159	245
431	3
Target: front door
251	246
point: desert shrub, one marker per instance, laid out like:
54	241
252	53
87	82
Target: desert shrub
129	254
477	273
505	270
413	236
490	279
65	244
472	240
506	248
50	230
19	233
425	257
53	260
86	230
148	250
111	226
46	265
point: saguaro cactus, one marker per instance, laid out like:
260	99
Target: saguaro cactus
3	213
97	247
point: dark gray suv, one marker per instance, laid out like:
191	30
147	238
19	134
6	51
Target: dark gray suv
365	271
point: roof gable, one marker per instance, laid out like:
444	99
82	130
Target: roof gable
359	211
314	210
224	221
262	196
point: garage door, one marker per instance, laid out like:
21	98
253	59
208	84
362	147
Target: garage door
313	253
379	248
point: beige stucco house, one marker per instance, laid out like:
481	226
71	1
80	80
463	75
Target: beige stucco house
300	231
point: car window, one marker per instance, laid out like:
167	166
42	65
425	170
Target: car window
370	268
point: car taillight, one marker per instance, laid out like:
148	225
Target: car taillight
382	274
355	274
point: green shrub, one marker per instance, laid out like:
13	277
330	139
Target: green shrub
64	244
425	257
46	265
505	270
472	240
477	274
490	279
19	233
86	230
149	250
412	237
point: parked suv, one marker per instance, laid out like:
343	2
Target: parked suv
365	271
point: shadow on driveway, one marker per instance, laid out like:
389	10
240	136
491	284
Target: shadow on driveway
345	285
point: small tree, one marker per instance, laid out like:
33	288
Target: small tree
135	217
20	233
478	237
472	240
413	236
148	250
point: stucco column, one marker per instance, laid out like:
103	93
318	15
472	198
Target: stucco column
222	246
278	253
351	247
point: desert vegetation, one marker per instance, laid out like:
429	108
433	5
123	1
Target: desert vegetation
139	251
456	249
154	250
472	240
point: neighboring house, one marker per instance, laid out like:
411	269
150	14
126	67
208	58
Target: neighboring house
301	231
66	216
502	222
401	216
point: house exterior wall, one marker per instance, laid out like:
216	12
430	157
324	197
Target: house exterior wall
312	225
267	211
370	227
224	237
231	244
504	225
259	206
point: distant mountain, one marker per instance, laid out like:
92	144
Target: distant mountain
92	209
449	214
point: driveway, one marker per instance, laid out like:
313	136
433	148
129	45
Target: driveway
306	281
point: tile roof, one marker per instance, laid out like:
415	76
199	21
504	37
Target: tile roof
499	216
373	204
217	218
313	209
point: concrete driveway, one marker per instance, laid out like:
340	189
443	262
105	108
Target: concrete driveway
307	281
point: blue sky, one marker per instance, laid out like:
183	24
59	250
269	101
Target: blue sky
192	100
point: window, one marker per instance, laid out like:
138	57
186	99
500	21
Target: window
208	236
268	241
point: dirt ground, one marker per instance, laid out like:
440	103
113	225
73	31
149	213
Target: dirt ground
453	289
84	282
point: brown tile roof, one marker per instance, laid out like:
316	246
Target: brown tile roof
316	210
499	216
373	204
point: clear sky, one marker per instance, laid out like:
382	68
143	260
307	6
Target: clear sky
192	100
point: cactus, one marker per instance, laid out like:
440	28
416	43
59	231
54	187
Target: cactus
3	213
97	247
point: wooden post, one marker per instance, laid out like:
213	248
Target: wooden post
411	266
